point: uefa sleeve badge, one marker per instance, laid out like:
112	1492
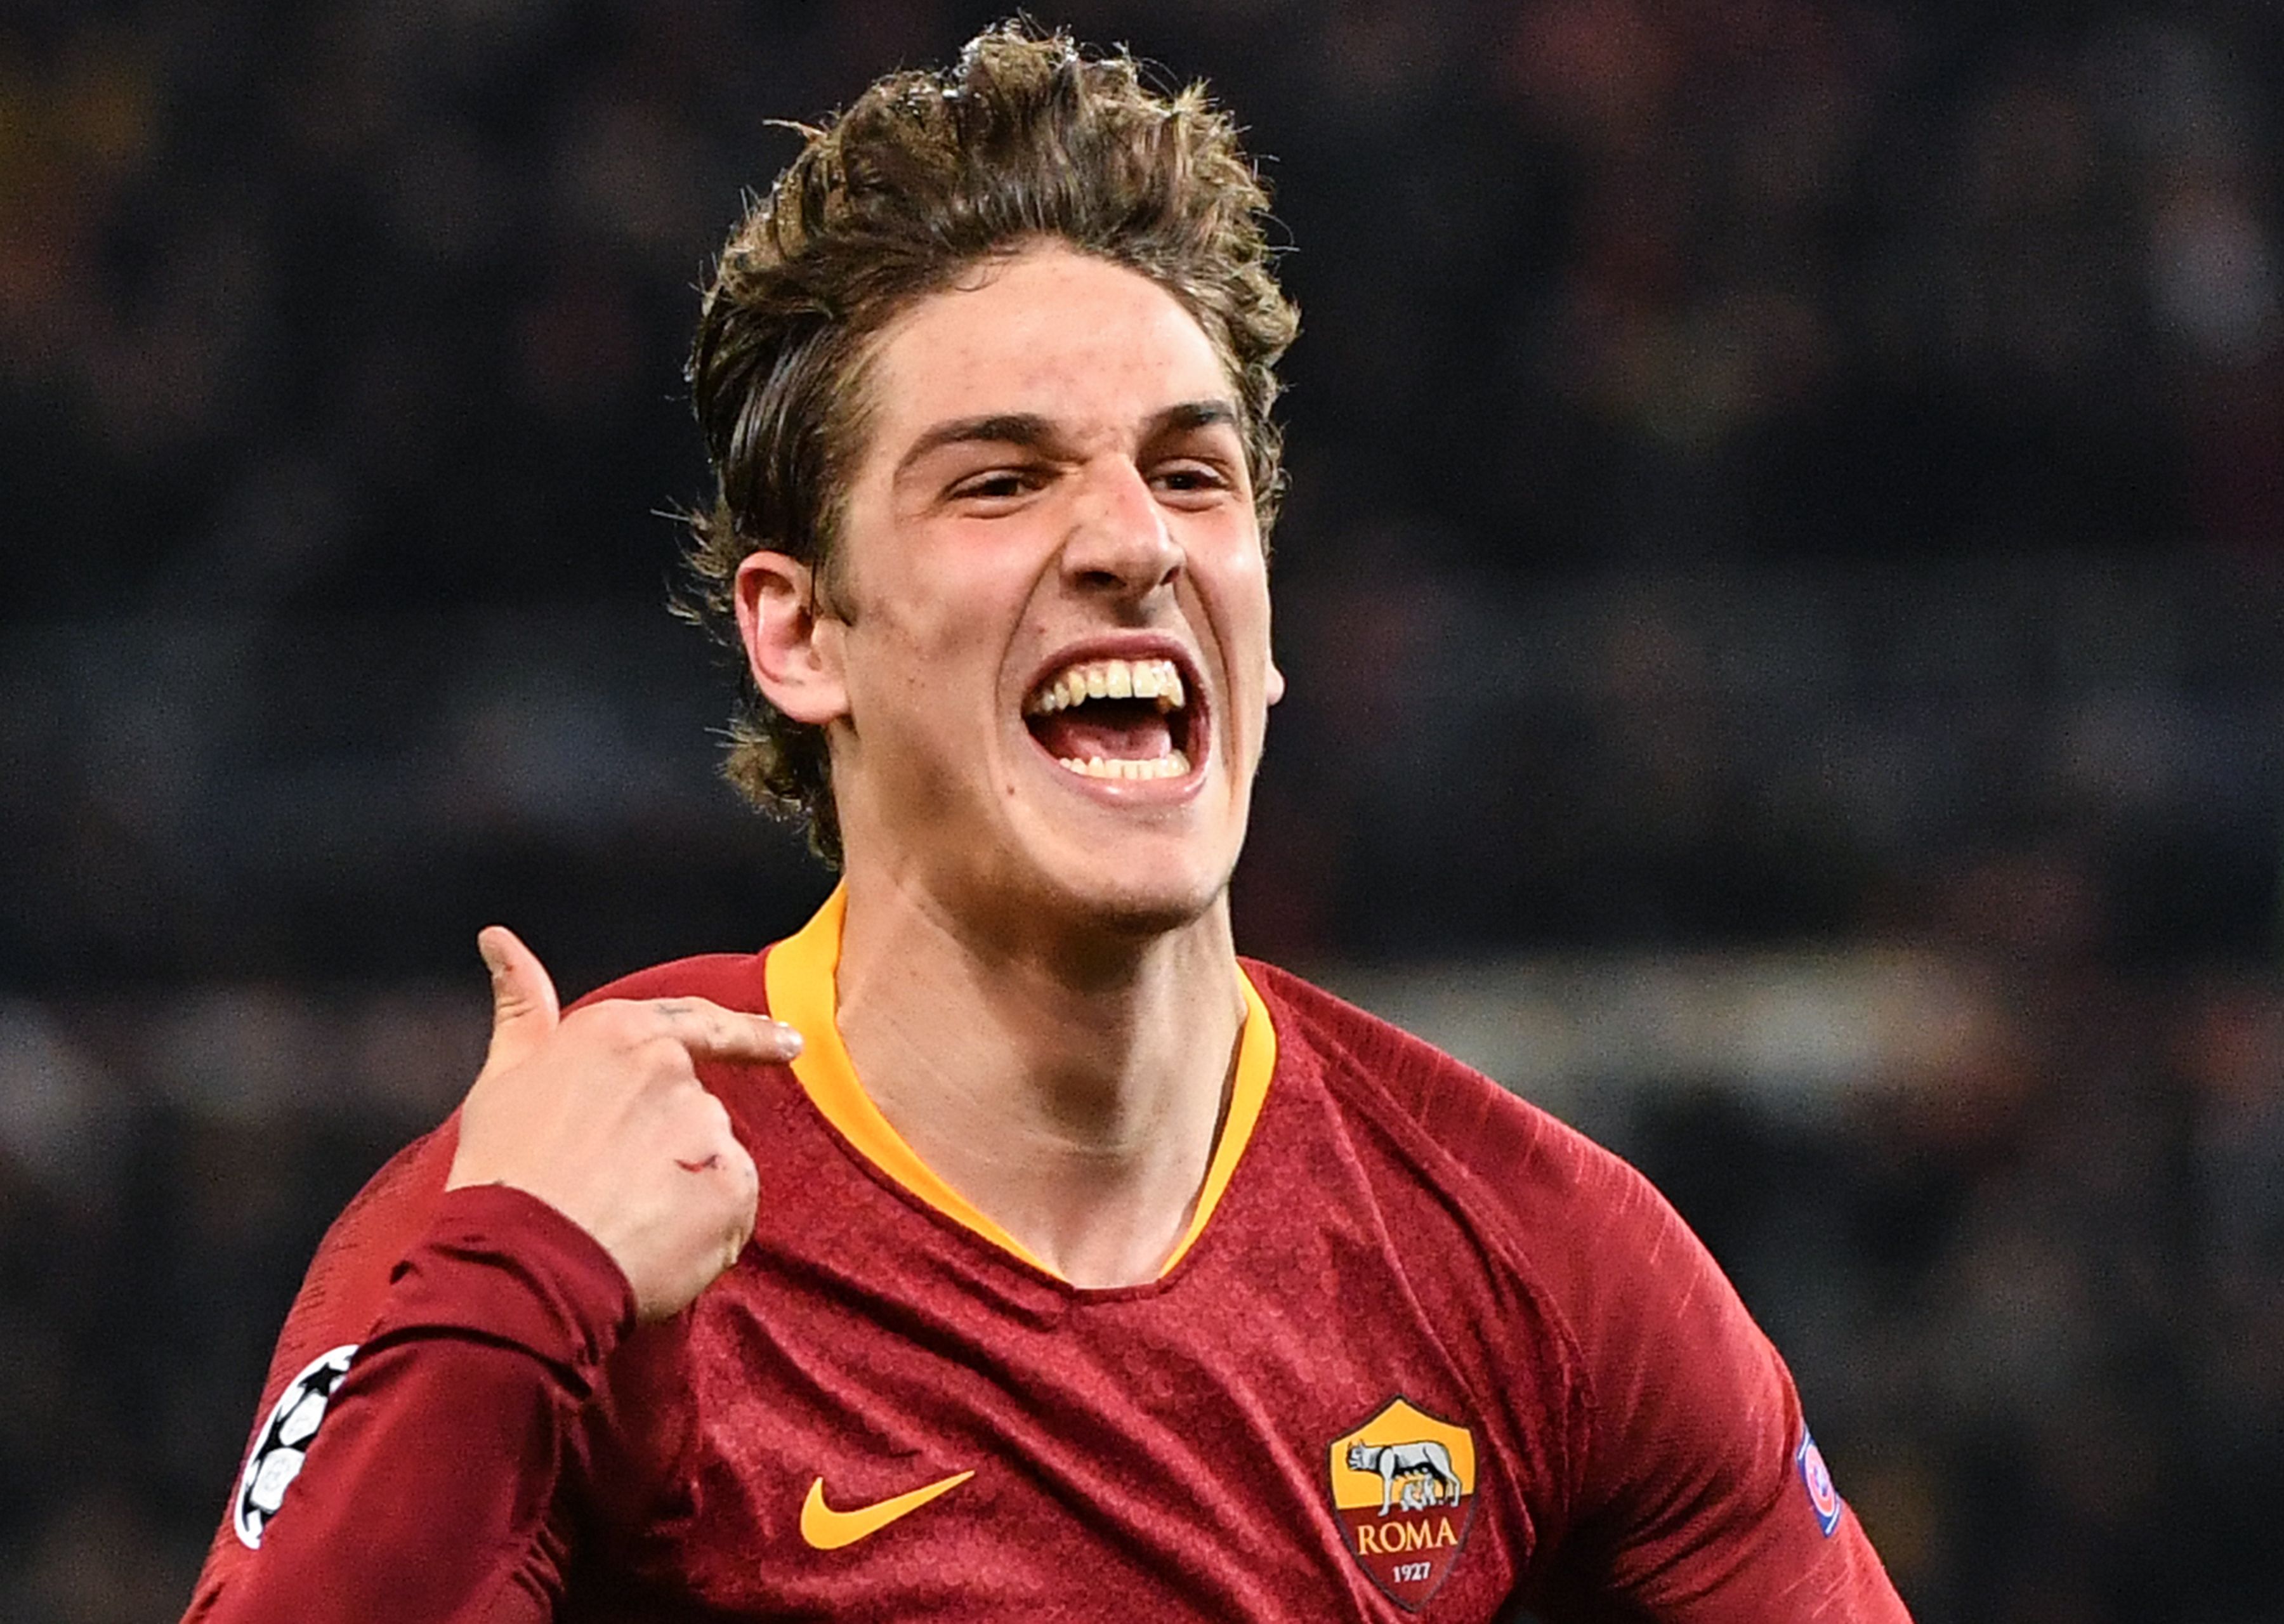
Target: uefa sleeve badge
283	1443
1816	1477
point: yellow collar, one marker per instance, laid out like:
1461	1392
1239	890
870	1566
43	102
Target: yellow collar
803	992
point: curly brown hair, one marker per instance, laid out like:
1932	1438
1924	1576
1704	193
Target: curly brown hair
923	178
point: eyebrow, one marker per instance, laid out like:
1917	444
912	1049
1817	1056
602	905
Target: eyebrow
1035	433
1192	415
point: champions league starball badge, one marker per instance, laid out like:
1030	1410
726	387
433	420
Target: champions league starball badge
283	1443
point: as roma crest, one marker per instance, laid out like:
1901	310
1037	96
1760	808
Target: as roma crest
1403	1488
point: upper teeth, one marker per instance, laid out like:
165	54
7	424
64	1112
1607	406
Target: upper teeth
1111	679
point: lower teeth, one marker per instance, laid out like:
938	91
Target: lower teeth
1172	765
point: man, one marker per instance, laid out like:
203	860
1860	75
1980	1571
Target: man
1092	1274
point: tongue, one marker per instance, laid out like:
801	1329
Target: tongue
1113	729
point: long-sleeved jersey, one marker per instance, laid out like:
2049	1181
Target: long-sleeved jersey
1423	1351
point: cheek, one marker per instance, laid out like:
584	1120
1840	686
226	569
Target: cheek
887	670
1242	580
920	668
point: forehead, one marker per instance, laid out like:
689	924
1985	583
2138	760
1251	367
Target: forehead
1090	346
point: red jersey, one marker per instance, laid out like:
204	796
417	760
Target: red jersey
1423	1351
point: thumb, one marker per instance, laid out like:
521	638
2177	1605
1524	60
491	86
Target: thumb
524	1007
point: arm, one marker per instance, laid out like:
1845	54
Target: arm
591	1183
1703	1502
432	1465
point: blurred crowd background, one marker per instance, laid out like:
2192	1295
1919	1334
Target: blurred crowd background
1784	592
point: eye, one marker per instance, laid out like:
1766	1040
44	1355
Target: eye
997	485
1193	479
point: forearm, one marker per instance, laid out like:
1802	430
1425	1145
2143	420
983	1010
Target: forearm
427	1492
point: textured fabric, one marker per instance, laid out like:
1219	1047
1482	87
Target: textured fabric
1434	1354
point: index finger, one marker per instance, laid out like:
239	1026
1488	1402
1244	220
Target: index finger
710	1032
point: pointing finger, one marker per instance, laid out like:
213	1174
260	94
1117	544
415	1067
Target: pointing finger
711	1032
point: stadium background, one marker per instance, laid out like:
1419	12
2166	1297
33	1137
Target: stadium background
1784	591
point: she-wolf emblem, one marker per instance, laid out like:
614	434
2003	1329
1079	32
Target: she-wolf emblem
1424	1468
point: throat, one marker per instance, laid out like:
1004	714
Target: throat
1079	1123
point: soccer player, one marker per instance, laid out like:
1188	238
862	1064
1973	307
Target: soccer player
1092	1274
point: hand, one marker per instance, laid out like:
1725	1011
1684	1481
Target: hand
601	1116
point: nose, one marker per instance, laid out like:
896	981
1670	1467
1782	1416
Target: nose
1119	542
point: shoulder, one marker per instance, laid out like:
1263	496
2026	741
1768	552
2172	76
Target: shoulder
735	980
1575	1228
1524	1166
350	1274
1690	1419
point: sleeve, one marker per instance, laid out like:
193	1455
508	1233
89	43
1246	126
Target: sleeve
410	1472
1704	1500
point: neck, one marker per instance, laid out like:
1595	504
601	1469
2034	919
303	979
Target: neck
1070	1086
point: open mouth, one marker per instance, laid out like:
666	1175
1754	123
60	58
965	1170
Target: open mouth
1130	720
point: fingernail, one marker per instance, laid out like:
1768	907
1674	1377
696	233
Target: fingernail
791	1034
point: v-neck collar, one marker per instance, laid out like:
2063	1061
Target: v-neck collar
803	992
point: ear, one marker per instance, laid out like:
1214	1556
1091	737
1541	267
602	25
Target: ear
793	651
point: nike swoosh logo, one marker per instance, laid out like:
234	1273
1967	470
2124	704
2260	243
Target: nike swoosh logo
826	1529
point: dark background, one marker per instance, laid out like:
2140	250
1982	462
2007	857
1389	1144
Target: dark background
1784	592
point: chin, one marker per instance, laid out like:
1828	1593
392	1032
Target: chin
1148	915
1157	903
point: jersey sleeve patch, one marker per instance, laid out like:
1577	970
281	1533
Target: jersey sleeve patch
283	1444
1816	1477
